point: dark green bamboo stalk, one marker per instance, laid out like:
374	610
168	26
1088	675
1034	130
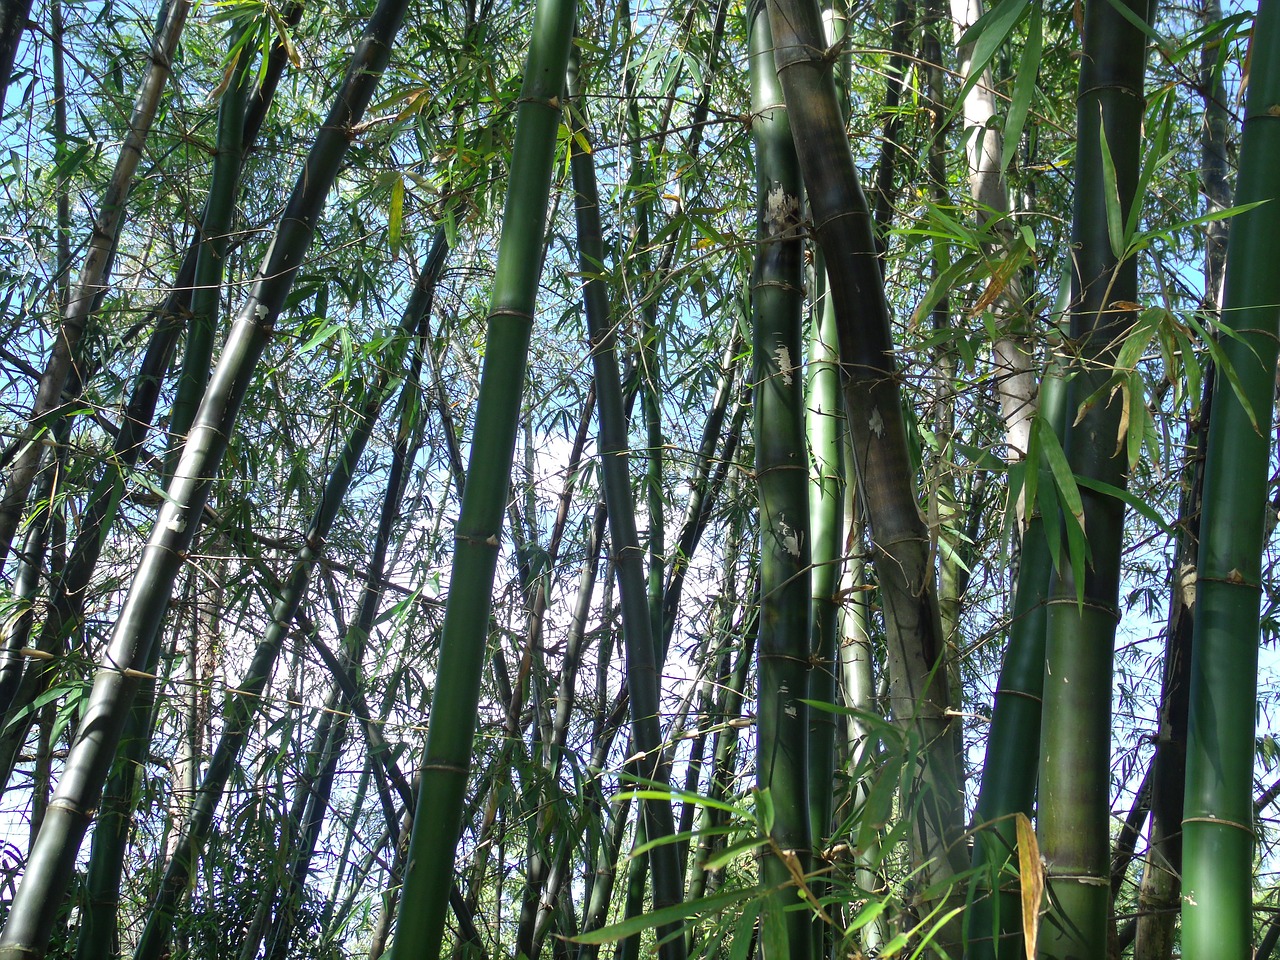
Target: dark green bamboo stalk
1217	857
638	607
1075	744
93	272
214	236
782	476
1159	896
886	477
53	858
1008	782
446	765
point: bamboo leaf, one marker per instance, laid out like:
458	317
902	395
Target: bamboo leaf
1024	87
744	931
933	931
667	915
1030	881
732	852
1111	195
286	41
1136	503
896	944
866	915
683	796
1068	494
395	217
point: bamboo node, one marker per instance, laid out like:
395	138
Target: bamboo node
1219	821
446	768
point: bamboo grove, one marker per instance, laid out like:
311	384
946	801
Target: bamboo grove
776	478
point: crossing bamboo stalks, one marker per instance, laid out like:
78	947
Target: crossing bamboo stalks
638	606
26	934
843	225
91	283
242	704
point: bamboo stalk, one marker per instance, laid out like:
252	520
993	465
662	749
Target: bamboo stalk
1075	743
915	649
447	762
1217	857
782	477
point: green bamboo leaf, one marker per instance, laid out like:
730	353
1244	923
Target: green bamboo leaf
887	731
1156	155
1024	87
1111	195
1063	478
1136	417
867	914
667	915
1223	365
933	931
685	797
326	333
764	809
957	273
681	837
879	805
1031	476
1171	231
1138	23
1134	502
395	218
744	931
987	35
732	852
896	944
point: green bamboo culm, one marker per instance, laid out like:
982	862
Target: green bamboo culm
464	640
824	421
215	231
1075	743
1008	783
782	476
643	680
52	862
1217	826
